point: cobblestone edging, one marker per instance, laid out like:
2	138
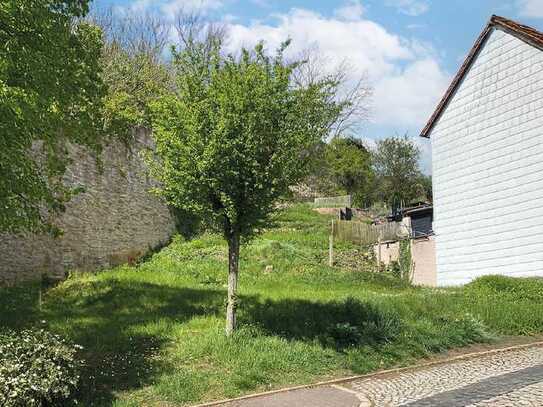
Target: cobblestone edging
360	384
472	382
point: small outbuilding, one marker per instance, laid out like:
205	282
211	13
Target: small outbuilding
420	220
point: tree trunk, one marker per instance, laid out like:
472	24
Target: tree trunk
233	267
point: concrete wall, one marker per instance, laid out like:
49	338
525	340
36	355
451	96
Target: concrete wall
423	261
115	220
390	252
487	159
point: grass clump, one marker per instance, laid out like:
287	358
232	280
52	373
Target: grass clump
153	334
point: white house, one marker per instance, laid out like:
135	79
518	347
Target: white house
487	159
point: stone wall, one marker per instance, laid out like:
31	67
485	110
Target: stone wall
115	220
390	252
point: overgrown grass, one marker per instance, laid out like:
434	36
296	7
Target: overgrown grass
153	334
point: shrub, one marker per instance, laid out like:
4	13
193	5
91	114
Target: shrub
361	324
37	368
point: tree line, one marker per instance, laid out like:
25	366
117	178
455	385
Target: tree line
387	174
232	131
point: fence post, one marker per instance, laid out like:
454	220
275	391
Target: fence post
331	247
379	253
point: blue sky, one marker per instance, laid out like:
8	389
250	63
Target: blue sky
407	50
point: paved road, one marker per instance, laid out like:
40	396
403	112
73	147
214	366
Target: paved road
507	379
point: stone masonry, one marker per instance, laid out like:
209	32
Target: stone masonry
114	221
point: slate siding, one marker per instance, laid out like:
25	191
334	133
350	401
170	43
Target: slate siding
487	154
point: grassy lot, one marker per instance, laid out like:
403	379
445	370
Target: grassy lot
153	334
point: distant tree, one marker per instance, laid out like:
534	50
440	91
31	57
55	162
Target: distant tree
425	182
354	95
50	95
234	137
349	163
396	162
133	67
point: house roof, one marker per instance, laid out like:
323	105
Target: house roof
522	32
418	210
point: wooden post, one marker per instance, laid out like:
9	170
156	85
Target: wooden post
400	257
331	247
379	253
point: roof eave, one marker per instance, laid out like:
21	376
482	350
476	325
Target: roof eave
524	33
456	80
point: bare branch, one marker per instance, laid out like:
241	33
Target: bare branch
353	92
135	33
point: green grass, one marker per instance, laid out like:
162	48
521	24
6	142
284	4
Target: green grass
153	334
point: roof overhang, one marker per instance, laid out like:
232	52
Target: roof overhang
523	32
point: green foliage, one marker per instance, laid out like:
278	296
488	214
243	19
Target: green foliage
405	259
337	324
50	93
134	80
530	289
397	169
425	184
349	162
37	368
235	135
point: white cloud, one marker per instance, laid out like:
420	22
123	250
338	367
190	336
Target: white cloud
409	95
352	10
406	75
366	45
409	7
530	8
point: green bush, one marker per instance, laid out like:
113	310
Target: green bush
37	368
518	288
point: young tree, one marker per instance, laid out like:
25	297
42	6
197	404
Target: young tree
350	165
50	93
234	137
396	162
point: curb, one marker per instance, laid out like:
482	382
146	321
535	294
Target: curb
376	374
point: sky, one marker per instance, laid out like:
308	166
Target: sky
407	50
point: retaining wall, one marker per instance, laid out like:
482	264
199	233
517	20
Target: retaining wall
115	220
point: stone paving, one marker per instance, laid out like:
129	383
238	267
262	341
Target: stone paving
503	379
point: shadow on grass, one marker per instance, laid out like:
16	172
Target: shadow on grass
335	324
122	325
19	305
